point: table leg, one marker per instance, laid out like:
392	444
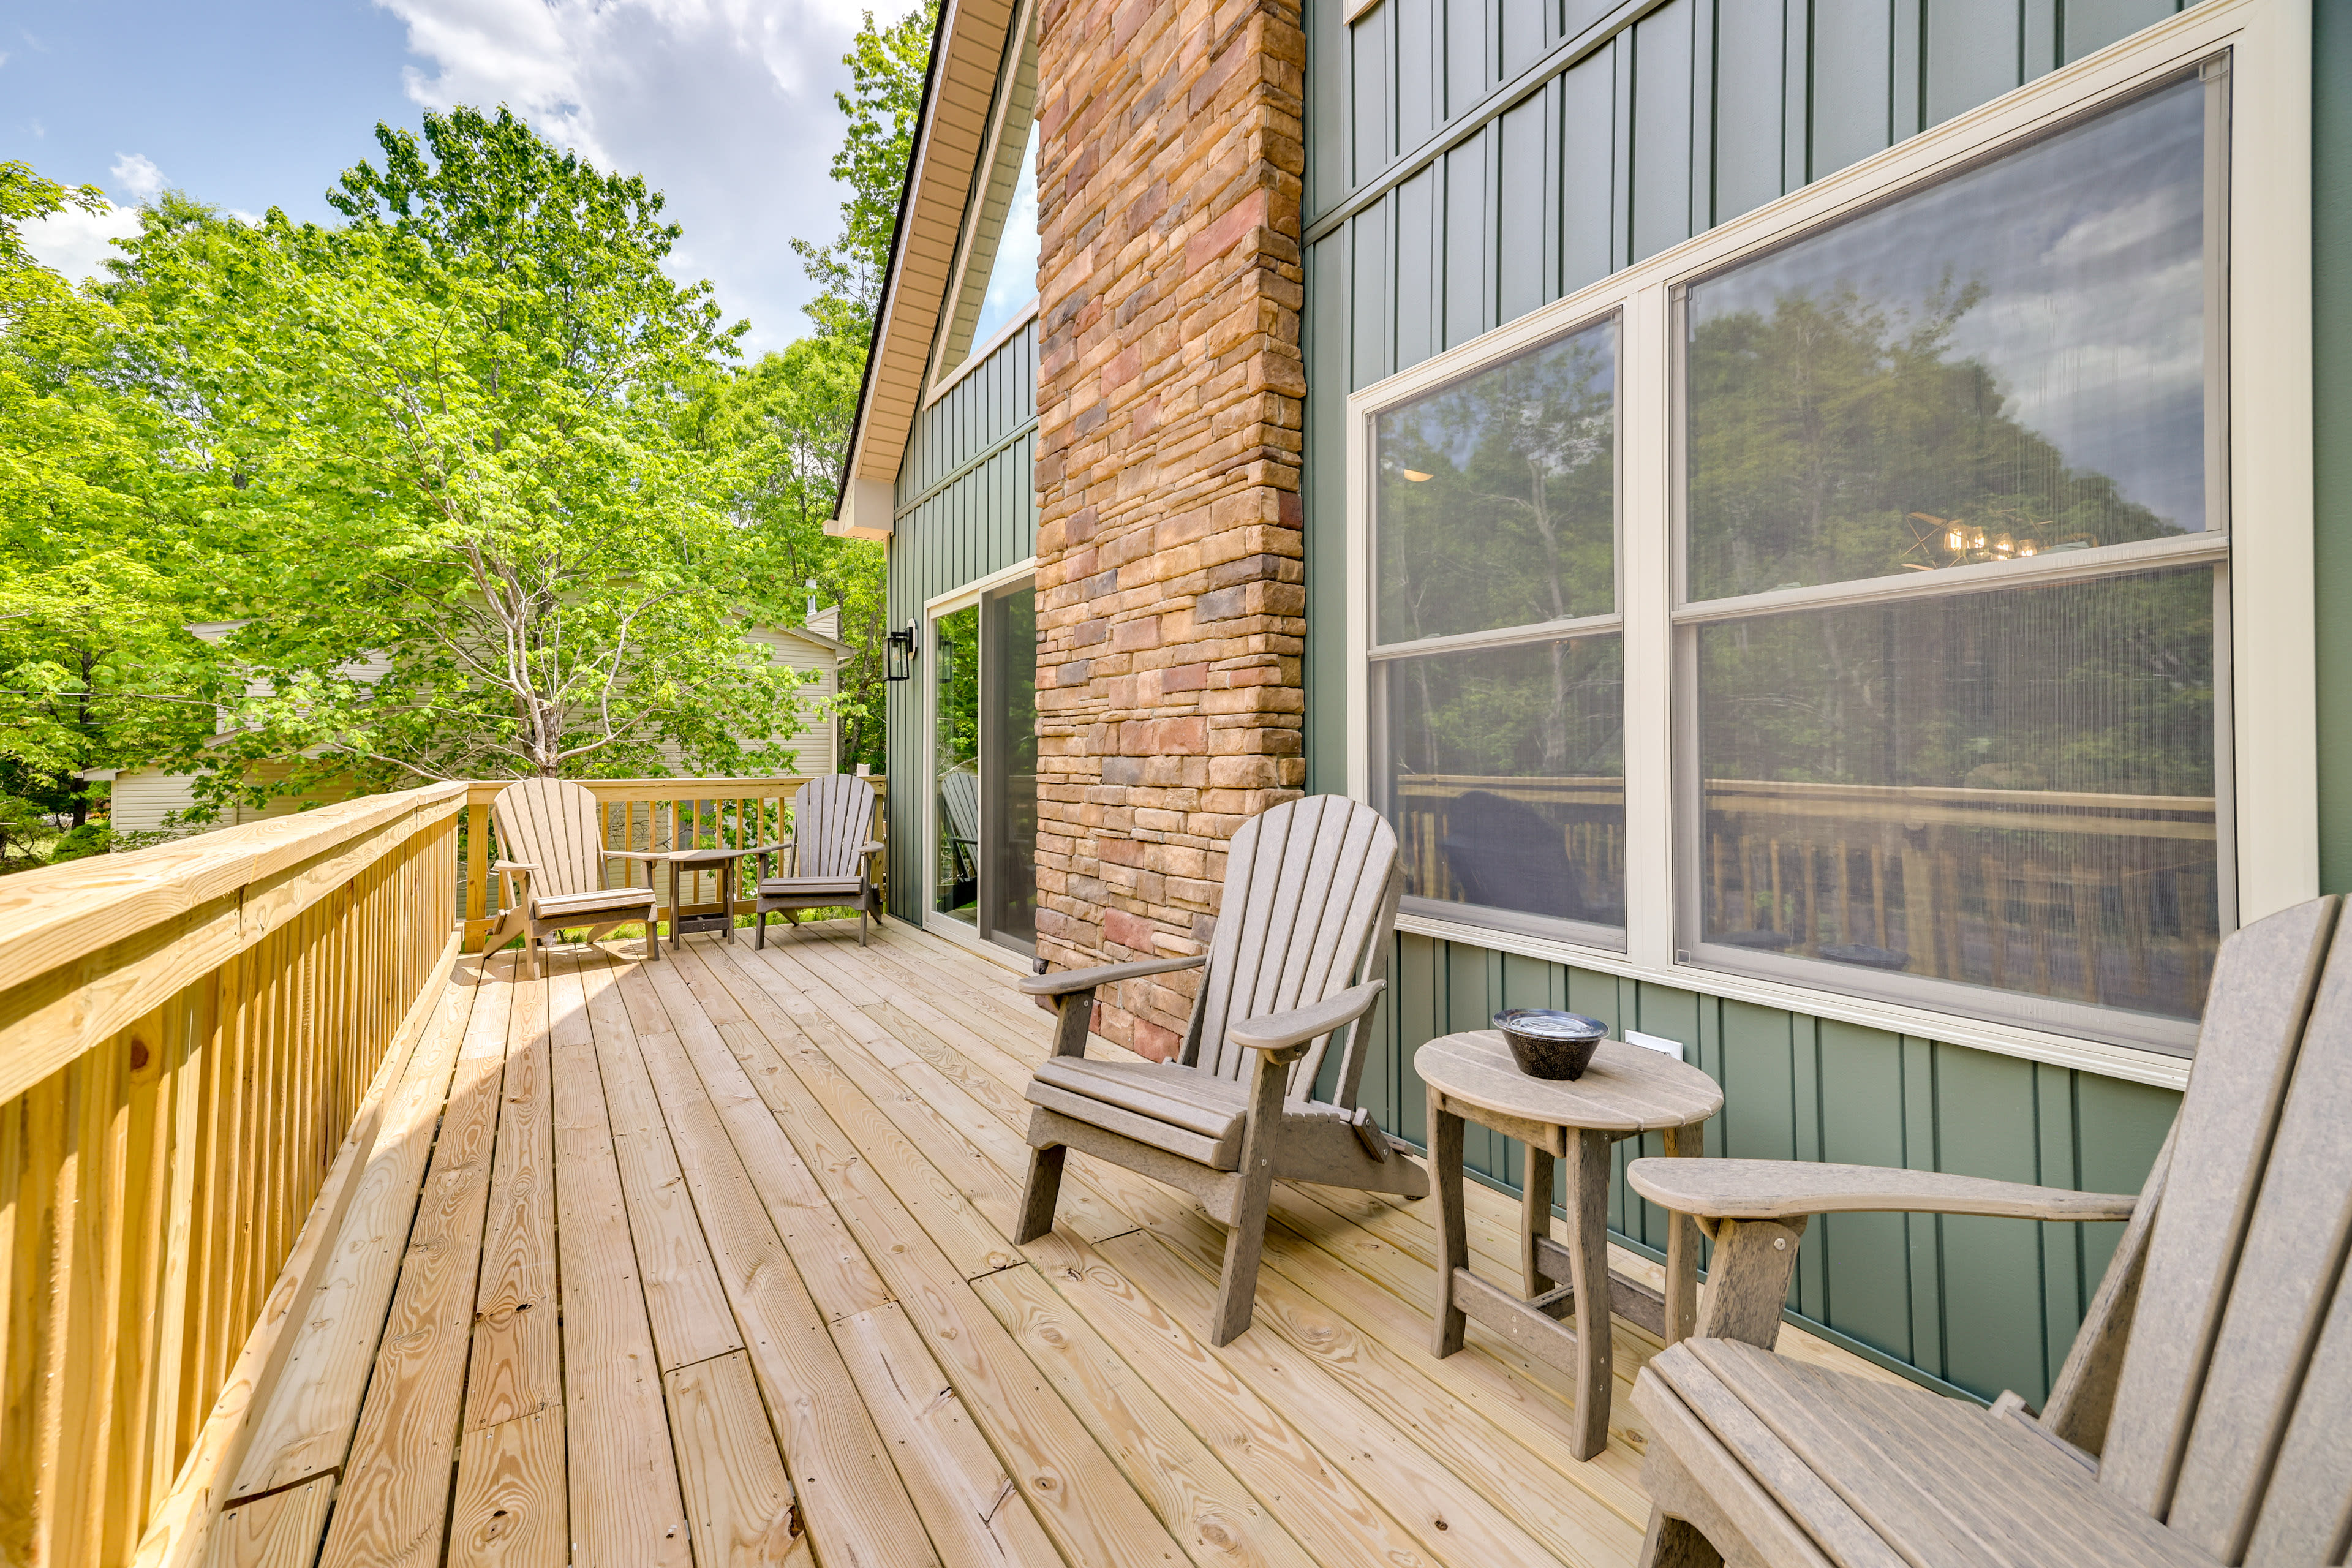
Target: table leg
1682	1247
1587	1250
1447	1324
1534	1220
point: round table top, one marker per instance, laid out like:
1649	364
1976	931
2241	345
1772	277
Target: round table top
1627	1088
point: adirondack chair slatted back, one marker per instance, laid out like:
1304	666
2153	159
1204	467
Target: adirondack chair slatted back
959	794
552	824
2236	1386
1310	896
831	816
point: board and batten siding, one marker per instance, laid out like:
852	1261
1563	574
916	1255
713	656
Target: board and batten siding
966	505
1469	161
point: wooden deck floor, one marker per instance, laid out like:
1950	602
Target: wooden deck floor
710	1266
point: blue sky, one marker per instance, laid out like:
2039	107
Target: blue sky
726	106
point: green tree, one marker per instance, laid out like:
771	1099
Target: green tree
97	546
469	540
783	424
888	66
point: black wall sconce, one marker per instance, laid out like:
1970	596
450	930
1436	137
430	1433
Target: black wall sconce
898	655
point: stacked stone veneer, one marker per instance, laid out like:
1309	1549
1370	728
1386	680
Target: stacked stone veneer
1169	568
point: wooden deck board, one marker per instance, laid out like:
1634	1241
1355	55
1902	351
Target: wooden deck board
738	1499
714	1256
625	1505
851	1498
394	1501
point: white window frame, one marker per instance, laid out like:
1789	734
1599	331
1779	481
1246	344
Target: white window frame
2271	648
948	603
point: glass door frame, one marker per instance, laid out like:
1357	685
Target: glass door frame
959	599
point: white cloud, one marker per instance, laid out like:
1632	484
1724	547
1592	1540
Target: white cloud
75	242
725	106
138	177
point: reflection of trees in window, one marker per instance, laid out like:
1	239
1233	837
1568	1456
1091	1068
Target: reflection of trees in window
2103	687
1496	496
1837	439
1556	710
955	661
956	652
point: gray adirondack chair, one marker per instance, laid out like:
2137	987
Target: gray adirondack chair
2204	1415
833	846
557	876
1296	963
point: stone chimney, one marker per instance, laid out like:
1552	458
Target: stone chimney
1171	596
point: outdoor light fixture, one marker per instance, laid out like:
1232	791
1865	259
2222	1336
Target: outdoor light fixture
899	654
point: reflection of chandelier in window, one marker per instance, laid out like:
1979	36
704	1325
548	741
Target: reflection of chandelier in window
1999	535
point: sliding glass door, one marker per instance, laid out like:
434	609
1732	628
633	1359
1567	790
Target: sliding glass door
985	766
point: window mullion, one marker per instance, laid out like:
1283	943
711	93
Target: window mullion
1647	479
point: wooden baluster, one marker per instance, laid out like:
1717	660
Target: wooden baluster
1845	891
2037	913
2196	962
2086	883
1714	917
1918	911
2135	887
1948	910
1878	890
1997	920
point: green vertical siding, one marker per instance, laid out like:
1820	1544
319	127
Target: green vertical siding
1979	1305
968	503
1469	161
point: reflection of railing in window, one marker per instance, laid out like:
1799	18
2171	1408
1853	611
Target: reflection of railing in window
2096	898
1588	813
2103	899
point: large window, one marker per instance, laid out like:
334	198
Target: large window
1498	662
2011	782
1840	604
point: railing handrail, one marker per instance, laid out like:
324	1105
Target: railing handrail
480	791
94	943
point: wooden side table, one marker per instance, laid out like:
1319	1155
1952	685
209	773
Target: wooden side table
1627	1090
683	863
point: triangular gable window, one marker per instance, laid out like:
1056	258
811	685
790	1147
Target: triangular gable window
996	272
1013	274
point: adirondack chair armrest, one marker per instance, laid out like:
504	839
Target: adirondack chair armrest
1289	1032
1072	980
503	869
1713	1190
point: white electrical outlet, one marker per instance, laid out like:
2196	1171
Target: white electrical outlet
1657	1043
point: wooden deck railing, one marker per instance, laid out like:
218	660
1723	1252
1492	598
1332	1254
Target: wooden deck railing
195	1042
648	814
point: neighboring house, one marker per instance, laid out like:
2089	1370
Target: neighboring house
149	800
1803	515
